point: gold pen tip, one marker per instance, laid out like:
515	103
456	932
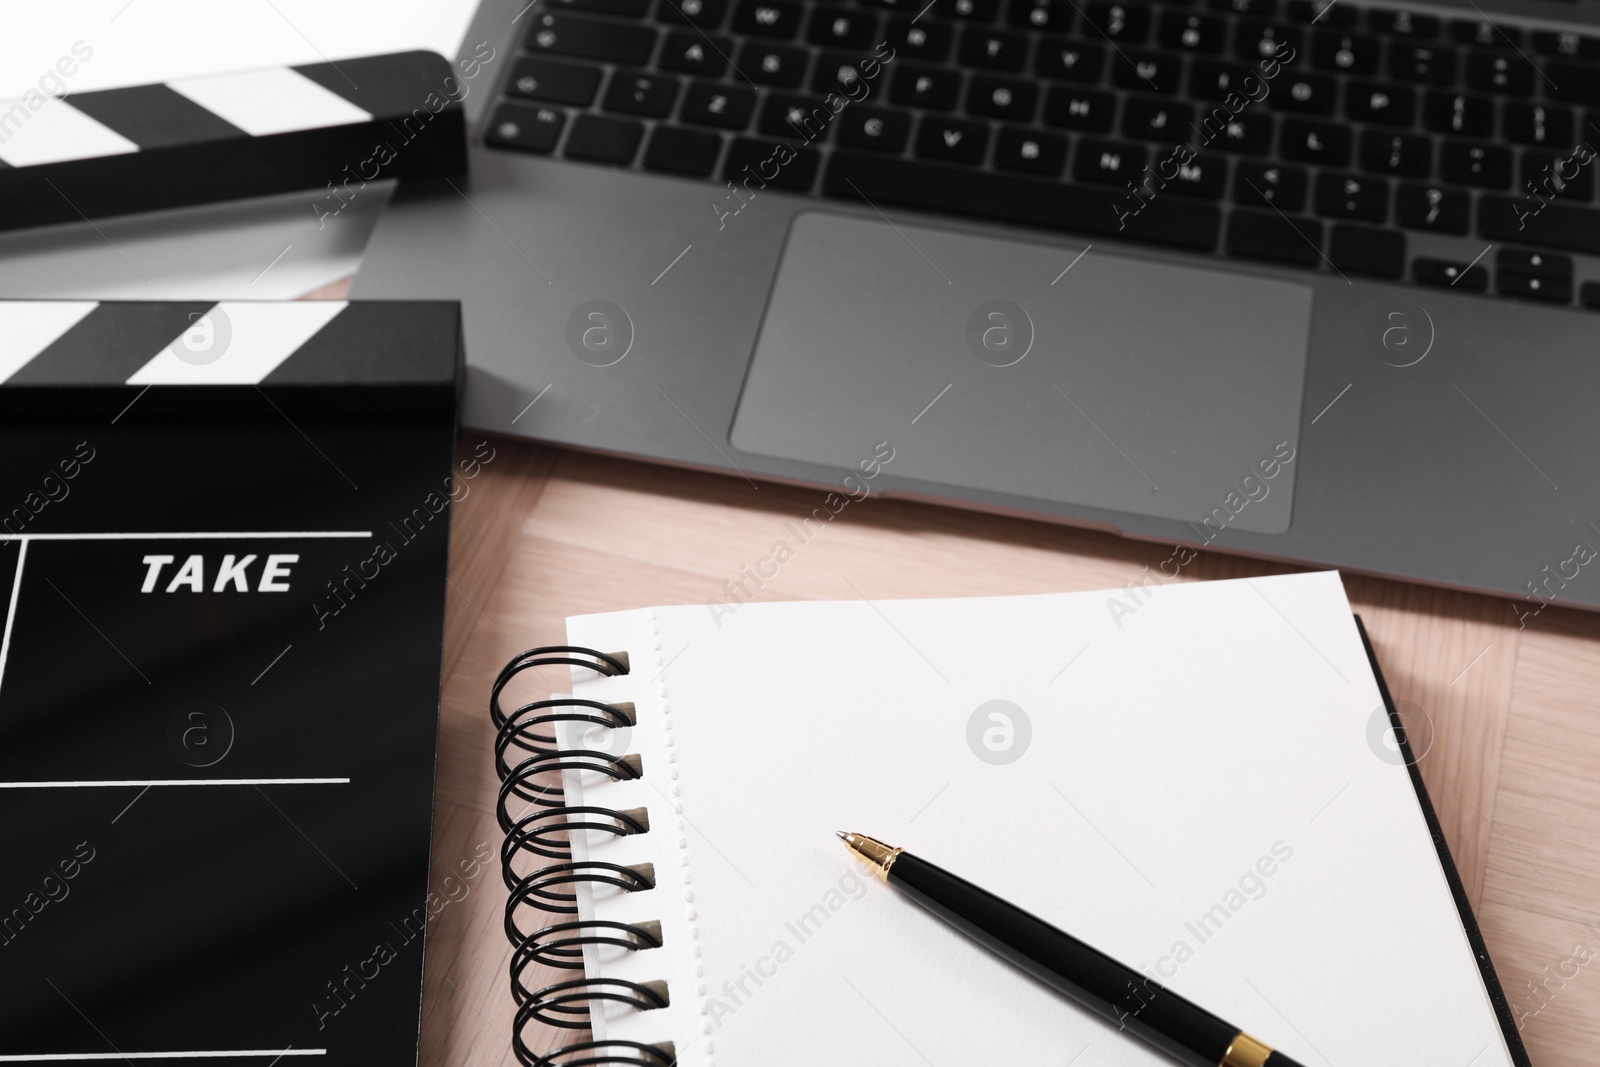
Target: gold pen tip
875	852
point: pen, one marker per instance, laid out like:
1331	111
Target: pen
1179	1027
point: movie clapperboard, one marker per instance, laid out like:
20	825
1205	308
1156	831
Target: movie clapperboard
223	533
329	127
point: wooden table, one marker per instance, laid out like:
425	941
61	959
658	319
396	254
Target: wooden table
1514	765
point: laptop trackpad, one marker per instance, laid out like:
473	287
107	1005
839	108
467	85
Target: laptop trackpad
1026	369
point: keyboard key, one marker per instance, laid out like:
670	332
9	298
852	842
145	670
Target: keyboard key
1458	113
1364	250
781	166
1407	154
1537	274
1546	174
1533	286
1390	105
1002	98
1147	72
839	27
1189	32
1535	124
1167	220
1050	16
1080	109
1544	264
1245	132
1346	196
1402	24
602	140
952	140
525	127
1112	162
1450	275
925	87
1430	64
1211	80
992	49
679	151
1433	208
1069	61
1490	73
690	53
778	19
1311	94
1314	142
1154	119
1204	175
651	95
1589	295
1564	226
1260	8
1575	83
1031	151
1565	43
1119	22
1487	166
706	14
1257	41
773	64
968	10
928	41
1270	185
1348	53
631	9
611	42
786	115
838	72
1484	33
876	128
1322	12
726	107
1271	236
560	83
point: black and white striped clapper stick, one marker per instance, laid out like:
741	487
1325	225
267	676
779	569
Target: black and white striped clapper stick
61	349
325	127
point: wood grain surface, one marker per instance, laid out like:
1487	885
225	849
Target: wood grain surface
1513	764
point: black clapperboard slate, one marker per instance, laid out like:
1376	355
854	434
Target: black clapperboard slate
140	912
225	136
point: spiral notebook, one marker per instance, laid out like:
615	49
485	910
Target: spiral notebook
1201	780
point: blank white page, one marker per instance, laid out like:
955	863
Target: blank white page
1202	796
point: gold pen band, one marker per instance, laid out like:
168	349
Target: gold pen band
1245	1051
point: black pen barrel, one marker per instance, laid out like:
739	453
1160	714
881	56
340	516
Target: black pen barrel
1130	1000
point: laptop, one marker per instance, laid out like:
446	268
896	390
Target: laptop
1295	279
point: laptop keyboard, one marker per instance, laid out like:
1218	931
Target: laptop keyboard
1326	136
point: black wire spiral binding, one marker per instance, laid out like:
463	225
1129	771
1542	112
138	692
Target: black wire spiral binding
535	780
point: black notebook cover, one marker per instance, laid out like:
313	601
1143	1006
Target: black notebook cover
1458	892
219	679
